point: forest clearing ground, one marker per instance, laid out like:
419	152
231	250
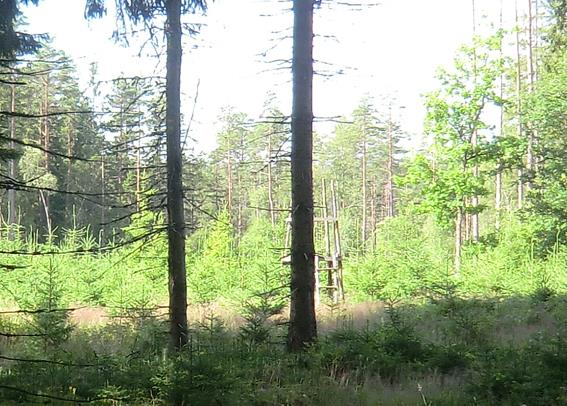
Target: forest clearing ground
450	351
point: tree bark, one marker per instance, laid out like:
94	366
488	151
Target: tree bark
175	218
498	179
102	199
46	141
519	110
302	325
390	209
271	183
229	182
364	181
70	147
531	81
12	219
458	240
475	222
373	213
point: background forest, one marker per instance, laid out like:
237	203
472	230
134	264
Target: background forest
453	244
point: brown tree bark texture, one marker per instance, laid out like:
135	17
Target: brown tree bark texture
302	325
175	215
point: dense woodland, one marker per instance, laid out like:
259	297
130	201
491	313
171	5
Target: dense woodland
454	252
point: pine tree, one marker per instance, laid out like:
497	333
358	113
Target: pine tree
139	11
303	324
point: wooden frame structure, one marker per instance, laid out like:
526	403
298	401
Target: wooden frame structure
328	259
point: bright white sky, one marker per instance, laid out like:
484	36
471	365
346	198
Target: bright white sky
390	50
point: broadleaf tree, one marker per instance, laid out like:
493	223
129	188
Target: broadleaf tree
456	121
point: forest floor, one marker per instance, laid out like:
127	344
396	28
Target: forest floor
443	351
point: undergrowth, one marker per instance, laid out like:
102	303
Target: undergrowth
492	335
448	351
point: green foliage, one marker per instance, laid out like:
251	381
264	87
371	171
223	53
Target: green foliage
455	118
213	272
544	115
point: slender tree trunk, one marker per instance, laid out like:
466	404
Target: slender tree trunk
536	38
390	209
302	324
175	214
499	169
139	165
271	183
474	220
12	219
364	180
458	240
70	147
46	141
519	108
373	214
102	199
240	200
531	80
45	204
466	219
498	195
258	183
229	182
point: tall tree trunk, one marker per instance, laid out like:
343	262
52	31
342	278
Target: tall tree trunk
364	180
240	200
45	204
70	148
373	214
12	219
302	324
175	215
498	195
458	240
102	199
229	182
46	143
271	182
474	221
531	80
519	108
390	209
499	169
139	174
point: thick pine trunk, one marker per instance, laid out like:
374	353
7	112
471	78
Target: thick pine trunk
302	325
175	215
